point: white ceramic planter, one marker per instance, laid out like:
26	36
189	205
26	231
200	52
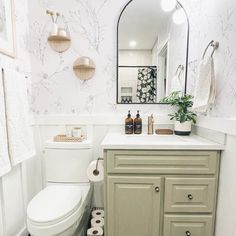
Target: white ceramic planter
183	128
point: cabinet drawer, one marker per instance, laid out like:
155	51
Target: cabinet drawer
190	195
161	162
188	226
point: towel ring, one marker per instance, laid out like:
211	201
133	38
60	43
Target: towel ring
214	44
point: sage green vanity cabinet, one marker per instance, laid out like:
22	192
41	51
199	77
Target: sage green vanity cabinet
160	193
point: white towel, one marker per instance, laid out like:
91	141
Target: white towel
20	135
4	156
205	88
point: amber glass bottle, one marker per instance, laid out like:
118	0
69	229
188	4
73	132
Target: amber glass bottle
138	124
129	124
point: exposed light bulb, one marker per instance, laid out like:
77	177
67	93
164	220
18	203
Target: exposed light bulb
132	44
168	5
179	16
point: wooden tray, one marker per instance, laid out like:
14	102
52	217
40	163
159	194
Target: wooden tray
64	138
164	131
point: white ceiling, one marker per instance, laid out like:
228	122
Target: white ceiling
142	22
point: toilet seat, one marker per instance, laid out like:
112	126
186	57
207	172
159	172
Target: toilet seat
54	203
55	208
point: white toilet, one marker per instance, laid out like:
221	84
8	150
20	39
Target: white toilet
62	208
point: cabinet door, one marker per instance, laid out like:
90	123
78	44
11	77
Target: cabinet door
133	205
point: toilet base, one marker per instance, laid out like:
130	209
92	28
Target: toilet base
77	229
69	232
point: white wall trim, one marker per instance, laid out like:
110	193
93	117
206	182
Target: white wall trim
24	188
23	232
224	125
2	209
95	119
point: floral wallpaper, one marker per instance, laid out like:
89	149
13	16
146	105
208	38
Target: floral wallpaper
92	25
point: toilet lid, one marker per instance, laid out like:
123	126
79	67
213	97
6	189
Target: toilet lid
53	203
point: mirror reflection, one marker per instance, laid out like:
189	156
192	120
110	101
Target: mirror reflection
152	42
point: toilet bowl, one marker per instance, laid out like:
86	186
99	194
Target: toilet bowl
62	208
58	210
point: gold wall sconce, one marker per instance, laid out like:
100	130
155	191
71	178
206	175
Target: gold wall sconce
59	37
84	68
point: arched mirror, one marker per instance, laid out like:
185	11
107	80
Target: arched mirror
152	51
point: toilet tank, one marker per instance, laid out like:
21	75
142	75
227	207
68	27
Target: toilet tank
67	162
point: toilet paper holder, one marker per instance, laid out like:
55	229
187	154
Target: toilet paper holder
96	171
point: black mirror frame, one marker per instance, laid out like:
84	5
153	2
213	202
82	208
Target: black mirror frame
117	56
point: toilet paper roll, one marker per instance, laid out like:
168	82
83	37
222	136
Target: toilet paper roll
97	222
95	231
97	213
93	175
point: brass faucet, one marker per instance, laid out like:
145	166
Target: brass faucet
150	125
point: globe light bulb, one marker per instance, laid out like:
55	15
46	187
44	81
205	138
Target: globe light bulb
168	5
133	44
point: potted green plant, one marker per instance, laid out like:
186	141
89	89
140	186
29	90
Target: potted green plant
183	116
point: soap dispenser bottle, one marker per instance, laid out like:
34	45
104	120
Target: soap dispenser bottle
138	124
129	124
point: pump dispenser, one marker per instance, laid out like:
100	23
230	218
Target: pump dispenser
138	124
129	124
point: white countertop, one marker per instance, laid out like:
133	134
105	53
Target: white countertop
158	142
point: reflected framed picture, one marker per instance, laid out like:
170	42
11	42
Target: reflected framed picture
7	28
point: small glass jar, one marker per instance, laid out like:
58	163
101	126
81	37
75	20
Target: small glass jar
77	132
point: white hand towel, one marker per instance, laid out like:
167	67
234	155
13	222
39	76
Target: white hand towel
205	89
20	135
5	165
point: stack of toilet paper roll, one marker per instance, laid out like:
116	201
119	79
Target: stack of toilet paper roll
97	223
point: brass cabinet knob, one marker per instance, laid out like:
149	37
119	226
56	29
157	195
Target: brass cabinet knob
190	197
188	233
157	189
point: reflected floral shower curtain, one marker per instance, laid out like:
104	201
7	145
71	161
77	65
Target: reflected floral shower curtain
146	86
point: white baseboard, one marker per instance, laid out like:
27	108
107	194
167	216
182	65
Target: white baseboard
23	232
